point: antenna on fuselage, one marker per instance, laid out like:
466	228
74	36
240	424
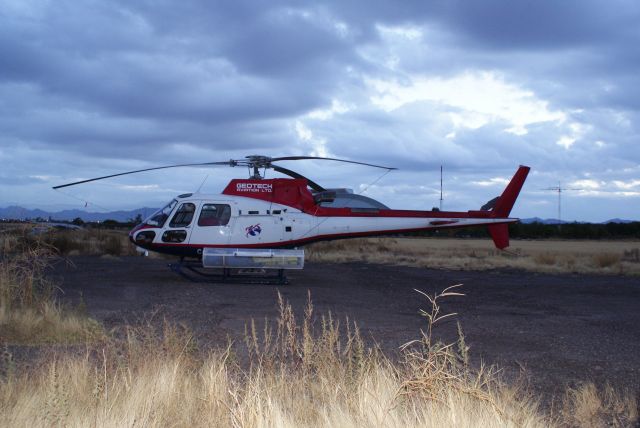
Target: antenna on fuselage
202	184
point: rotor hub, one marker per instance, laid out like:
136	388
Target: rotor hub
258	161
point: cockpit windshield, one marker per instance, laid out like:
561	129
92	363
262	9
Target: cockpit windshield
158	218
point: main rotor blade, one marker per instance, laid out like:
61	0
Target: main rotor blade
315	186
332	159
231	163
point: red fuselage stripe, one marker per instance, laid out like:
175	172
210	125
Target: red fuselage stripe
304	240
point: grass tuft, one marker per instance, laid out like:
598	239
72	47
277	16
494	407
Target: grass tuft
606	260
589	406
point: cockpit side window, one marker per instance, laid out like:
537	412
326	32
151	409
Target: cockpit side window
160	217
184	215
214	215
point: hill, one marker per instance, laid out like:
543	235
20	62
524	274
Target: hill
20	213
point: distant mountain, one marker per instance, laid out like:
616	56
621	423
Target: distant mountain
541	220
20	213
618	220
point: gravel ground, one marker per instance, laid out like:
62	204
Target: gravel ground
562	329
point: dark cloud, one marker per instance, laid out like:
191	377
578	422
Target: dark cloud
98	87
540	25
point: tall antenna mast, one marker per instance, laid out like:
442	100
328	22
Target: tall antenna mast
559	189
440	187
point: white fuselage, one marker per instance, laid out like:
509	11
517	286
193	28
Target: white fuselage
254	222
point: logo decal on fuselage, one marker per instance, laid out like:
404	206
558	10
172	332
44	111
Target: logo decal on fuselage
253	230
254	187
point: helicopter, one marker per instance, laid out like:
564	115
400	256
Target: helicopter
261	222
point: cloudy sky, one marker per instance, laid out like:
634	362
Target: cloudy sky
90	88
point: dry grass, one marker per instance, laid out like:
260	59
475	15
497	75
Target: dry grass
316	372
47	323
91	242
29	312
67	242
297	375
592	257
587	406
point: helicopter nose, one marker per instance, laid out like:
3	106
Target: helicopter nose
135	229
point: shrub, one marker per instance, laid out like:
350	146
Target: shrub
545	259
112	245
589	406
605	260
63	241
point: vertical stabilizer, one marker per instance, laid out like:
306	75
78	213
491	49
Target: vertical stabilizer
501	207
504	205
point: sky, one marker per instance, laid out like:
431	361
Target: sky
91	88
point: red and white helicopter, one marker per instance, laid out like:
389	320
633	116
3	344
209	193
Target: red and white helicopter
253	219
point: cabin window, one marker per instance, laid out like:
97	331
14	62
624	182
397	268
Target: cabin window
183	216
214	215
174	236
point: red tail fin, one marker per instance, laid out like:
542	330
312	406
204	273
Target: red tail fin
508	198
502	208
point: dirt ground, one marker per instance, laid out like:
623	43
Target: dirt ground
561	329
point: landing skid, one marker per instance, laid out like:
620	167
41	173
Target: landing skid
193	271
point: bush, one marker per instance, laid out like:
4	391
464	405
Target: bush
112	245
545	259
605	260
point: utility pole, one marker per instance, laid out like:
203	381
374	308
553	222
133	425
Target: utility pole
440	187
559	189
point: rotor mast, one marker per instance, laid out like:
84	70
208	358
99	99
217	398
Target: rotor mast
256	162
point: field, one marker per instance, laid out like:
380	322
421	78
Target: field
553	256
536	341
